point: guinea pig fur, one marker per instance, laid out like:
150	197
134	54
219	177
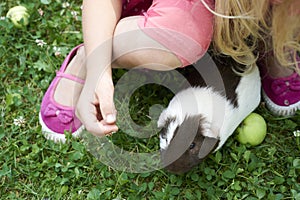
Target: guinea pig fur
200	118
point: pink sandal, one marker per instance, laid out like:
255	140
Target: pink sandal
54	118
281	95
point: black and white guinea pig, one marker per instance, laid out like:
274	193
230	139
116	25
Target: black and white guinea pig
201	117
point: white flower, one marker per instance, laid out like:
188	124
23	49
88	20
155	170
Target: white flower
57	51
40	43
297	133
74	13
20	121
65	5
41	12
2	112
2	18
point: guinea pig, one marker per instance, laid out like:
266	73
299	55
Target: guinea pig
201	117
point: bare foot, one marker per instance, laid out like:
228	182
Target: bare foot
68	91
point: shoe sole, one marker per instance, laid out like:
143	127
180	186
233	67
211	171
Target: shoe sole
57	137
280	110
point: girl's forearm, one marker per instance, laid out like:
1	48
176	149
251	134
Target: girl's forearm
99	19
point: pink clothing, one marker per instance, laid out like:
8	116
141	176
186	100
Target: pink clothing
135	7
185	27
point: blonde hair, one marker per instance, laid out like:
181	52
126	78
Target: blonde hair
238	37
285	31
249	24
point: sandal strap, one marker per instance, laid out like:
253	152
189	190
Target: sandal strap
70	77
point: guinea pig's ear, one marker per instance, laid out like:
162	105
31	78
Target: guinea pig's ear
207	146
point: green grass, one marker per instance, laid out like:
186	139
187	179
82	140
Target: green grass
33	168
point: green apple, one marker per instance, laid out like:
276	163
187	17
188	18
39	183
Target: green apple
252	130
19	16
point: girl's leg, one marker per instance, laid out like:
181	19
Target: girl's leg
77	69
275	69
133	48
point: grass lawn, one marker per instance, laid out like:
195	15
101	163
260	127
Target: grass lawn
33	168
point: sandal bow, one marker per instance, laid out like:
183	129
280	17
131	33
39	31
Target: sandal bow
64	116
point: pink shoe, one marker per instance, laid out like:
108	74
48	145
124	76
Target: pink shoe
282	95
54	118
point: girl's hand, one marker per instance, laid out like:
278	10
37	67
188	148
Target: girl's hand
95	107
99	20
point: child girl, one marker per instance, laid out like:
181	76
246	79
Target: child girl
158	34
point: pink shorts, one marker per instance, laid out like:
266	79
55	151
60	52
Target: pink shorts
185	27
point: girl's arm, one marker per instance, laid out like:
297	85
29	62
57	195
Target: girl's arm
99	20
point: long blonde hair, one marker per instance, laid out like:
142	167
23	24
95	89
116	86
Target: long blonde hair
238	37
285	31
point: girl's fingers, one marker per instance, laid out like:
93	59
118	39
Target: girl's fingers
88	117
104	94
